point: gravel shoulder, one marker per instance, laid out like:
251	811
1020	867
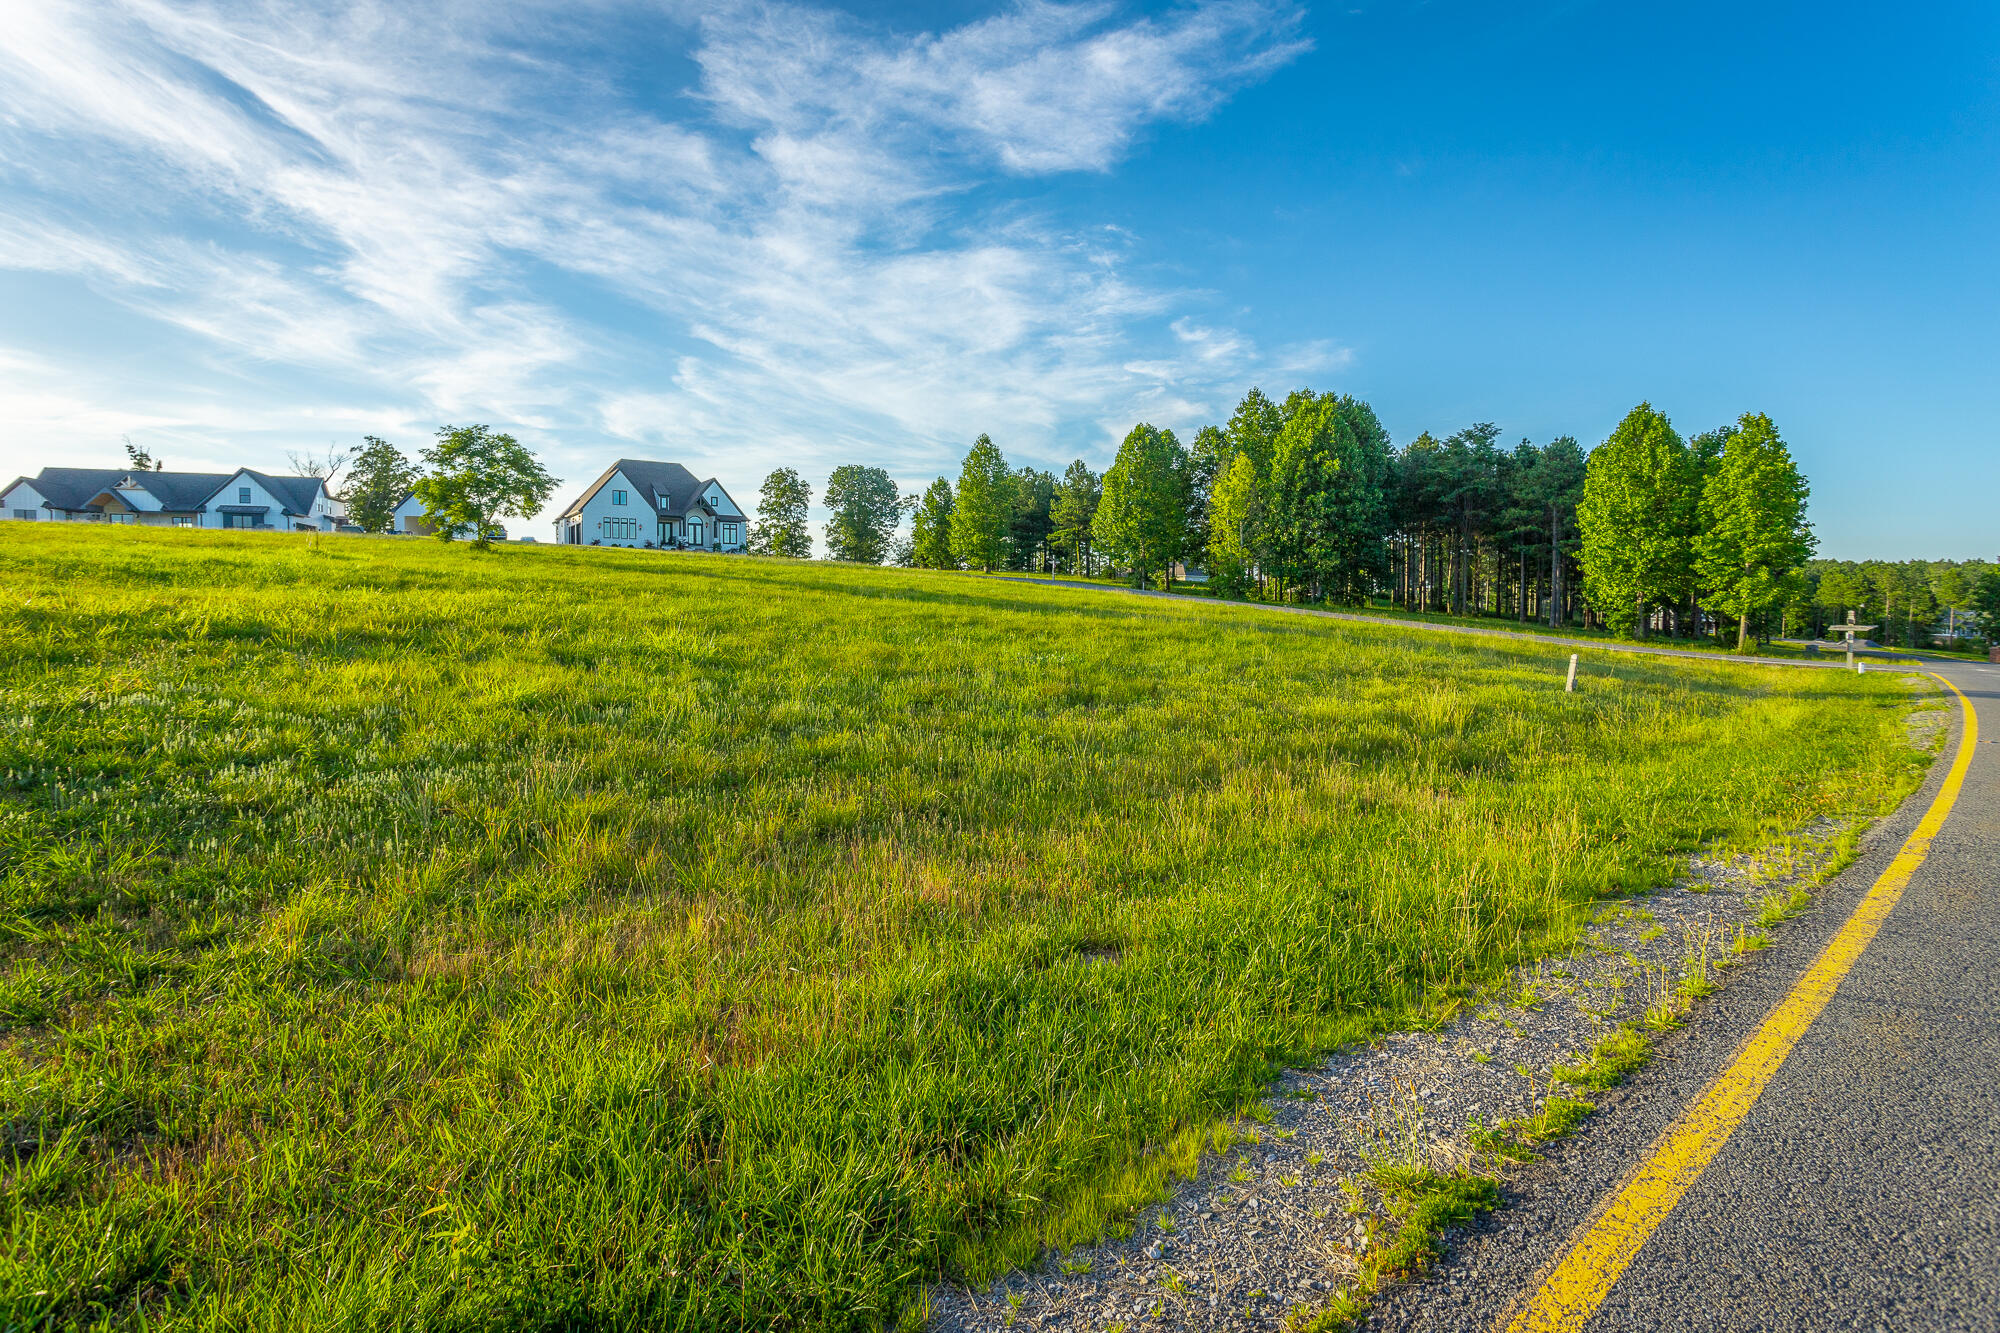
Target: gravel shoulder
1282	1215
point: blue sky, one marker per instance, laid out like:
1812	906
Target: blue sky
747	236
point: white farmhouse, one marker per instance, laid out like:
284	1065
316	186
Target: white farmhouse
639	503
110	495
250	499
242	499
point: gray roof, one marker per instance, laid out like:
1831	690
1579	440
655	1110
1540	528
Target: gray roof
296	494
182	492
669	486
75	487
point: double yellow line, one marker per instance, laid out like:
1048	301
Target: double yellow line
1606	1244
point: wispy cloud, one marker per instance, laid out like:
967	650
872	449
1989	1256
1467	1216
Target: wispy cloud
804	252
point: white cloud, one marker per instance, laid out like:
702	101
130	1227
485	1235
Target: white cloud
456	215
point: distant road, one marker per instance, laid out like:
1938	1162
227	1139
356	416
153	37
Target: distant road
1513	636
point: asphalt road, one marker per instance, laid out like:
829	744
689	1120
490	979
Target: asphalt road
1863	1190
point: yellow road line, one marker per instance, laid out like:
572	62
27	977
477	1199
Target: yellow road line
1606	1244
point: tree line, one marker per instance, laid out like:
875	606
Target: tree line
1307	499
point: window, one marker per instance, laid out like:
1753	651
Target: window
183	520
620	529
694	531
729	534
24	513
618	497
243	495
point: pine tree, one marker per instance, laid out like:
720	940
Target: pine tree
1074	508
979	515
1754	534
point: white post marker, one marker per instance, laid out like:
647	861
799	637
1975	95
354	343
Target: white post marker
1571	687
1850	629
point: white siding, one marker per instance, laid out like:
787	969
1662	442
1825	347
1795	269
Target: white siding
608	523
23	498
232	494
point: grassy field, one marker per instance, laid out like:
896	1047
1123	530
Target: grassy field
399	936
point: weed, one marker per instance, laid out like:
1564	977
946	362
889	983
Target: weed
1782	904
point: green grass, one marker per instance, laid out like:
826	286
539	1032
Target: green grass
398	935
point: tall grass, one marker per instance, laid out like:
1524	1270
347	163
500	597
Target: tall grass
396	935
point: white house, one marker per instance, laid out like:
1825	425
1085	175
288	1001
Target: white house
250	499
242	499
109	495
640	503
408	517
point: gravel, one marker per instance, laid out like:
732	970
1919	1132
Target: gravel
1280	1221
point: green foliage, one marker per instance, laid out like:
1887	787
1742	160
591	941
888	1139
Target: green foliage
1622	1053
1230	554
980	512
1327	519
140	459
782	504
377	480
1753	534
1985	600
1141	519
1637	519
1072	512
631	939
930	529
864	512
476	477
1030	520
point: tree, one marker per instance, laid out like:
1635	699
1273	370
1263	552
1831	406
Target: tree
930	529
1141	518
1754	534
376	484
1030	520
478	476
326	466
979	514
1634	520
1328	520
1985	599
141	460
780	528
1229	508
1555	487
1207	456
865	511
1072	511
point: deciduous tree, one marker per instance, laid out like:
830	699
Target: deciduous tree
782	504
477	476
1633	518
1753	533
1141	520
865	511
930	528
1230	504
376	482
